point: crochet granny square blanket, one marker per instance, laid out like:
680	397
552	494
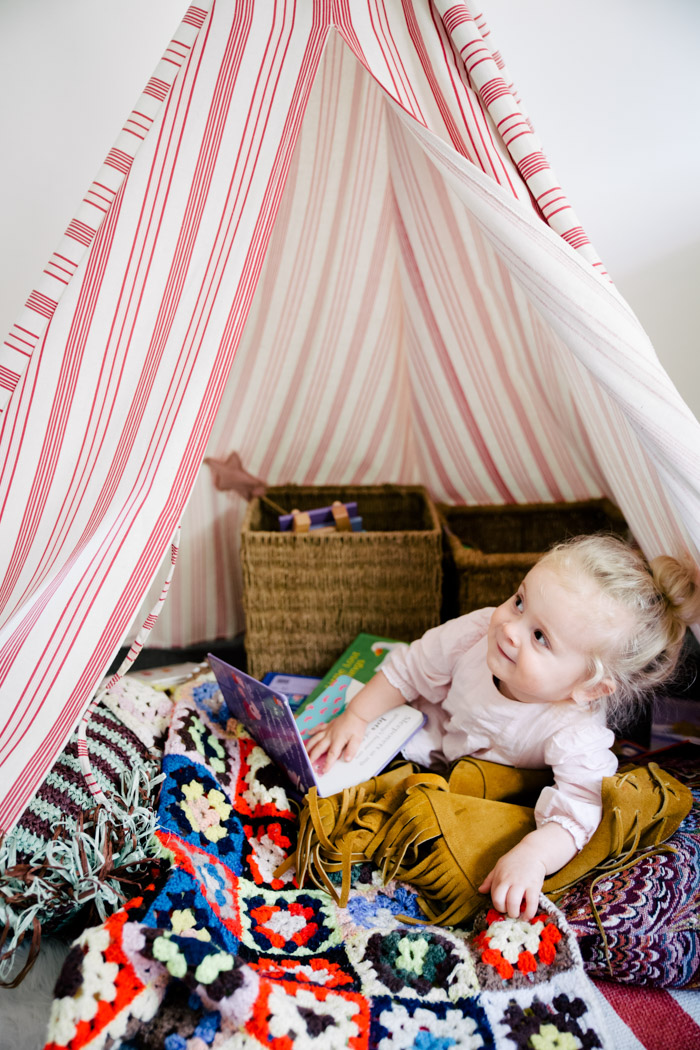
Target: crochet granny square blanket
218	952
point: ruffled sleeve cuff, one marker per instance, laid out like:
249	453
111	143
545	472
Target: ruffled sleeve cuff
395	679
578	815
577	833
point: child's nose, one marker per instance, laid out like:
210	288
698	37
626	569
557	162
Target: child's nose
511	631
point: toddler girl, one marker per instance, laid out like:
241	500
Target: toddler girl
591	629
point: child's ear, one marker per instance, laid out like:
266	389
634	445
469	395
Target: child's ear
586	694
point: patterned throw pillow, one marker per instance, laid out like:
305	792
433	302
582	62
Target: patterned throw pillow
66	854
649	911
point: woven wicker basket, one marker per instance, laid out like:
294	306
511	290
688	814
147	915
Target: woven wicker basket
490	549
307	596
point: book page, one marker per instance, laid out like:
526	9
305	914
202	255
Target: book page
383	740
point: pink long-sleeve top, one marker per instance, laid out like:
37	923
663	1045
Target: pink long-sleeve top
446	676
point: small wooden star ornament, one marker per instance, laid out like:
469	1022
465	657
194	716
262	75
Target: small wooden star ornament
231	476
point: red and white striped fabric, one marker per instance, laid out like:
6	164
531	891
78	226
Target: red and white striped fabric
643	1018
327	237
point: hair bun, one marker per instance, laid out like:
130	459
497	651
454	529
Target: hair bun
679	583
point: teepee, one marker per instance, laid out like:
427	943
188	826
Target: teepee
326	237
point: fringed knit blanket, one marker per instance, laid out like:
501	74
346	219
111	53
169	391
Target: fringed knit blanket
220	953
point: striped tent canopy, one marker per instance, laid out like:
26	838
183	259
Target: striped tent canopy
326	237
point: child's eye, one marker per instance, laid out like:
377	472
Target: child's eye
518	602
541	638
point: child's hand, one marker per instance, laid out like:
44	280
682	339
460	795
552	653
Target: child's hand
339	738
517	877
519	874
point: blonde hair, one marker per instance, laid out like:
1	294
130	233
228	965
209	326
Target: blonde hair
661	598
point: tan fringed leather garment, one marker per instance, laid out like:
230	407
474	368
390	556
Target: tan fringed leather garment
443	836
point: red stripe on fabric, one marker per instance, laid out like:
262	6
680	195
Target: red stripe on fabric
62	518
429	422
181	256
157	88
473	65
13	423
493	89
456	135
519	123
114	472
653	1015
545	205
52	441
344	25
370	419
451	380
472	47
55	276
552	189
195	16
63	269
100	197
532	164
456	16
137	124
118	159
458	309
538	362
71	262
241	303
373	422
500	288
41	304
427	65
341	382
510	139
470	92
576	236
312	335
8	379
403	88
283	159
34	335
79	231
575	446
361	136
565	207
18	349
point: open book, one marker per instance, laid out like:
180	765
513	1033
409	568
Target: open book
266	714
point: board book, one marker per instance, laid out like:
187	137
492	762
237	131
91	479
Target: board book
267	715
360	661
296	687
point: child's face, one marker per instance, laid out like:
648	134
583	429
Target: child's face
541	639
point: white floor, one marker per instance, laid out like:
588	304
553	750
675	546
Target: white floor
24	1011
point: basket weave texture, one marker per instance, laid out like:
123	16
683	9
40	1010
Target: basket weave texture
306	596
504	542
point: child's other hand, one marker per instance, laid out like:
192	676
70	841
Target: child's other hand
340	738
515	882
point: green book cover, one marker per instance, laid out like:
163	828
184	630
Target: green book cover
359	661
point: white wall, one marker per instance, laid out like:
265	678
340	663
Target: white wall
57	128
612	89
610	85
